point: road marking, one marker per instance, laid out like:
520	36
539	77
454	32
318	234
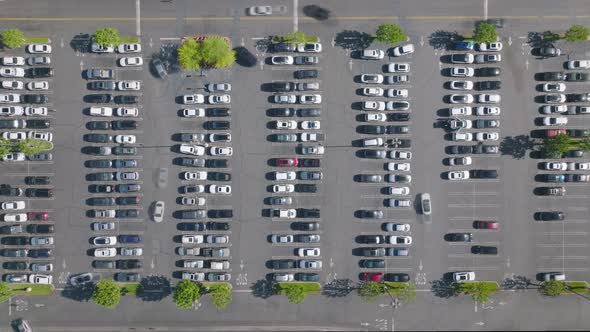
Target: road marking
170	38
485	10
295	15
138	17
473	205
565	257
558	245
475	193
509	40
477	268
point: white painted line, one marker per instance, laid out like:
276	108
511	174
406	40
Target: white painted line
485	10
564	233
553	268
559	245
477	268
473	205
170	38
477	193
138	17
295	15
565	257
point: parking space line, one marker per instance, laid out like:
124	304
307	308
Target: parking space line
563	233
565	257
577	208
477	268
560	245
561	268
481	205
475	193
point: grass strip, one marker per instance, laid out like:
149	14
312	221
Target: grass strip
36	289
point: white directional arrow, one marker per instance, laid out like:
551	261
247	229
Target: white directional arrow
421	40
242	43
420	265
151	43
350	64
509	40
331	262
261	64
152	265
61	42
526	64
241	264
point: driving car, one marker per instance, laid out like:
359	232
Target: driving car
260	10
403	50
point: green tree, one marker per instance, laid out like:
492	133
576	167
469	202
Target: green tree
405	291
5	291
390	33
577	33
12	38
485	33
189	56
220	295
107	36
216	52
479	291
186	293
292	37
584	144
32	146
6	146
295	292
552	288
107	293
556	146
370	290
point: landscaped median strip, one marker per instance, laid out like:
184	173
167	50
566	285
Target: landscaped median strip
554	288
296	292
31	289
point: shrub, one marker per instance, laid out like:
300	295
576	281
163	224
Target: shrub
480	291
32	146
5	291
552	288
485	33
107	36
220	295
13	38
390	33
577	33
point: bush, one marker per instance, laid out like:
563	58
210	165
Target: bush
107	293
13	38
296	292
5	292
480	291
189	56
485	33
577	33
552	288
558	145
213	52
369	291
404	291
390	33
31	146
6	146
186	293
295	37
107	36
220	294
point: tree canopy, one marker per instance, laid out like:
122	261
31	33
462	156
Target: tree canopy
390	33
221	295
186	293
107	293
5	291
31	147
12	38
213	52
107	36
485	33
577	33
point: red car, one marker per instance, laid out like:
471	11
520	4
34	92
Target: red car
555	132
375	276
480	224
287	162
38	216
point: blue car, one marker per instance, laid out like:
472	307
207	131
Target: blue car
129	238
464	45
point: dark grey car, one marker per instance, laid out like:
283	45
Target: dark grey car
192	214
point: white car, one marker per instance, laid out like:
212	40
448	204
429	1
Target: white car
308	252
193	112
12	72
260	10
372	78
460	111
127	111
104	241
373	105
491	47
281	60
463	276
554	87
462	72
10	98
314	124
578	64
199	201
13	61
461	85
394	227
400	155
195	150
398	203
125	139
375	117
458	175
14	136
159	208
285	124
130	251
556	166
38	85
398	68
101	111
285	176
221	151
459	161
312	150
283	213
283	277
217	189
281	238
487	110
462	137
193	99
133	61
13	85
404	167
36	111
310	99
461	99
285	99
487	136
554	121
283	188
399	93
39	48
129	48
310	264
40	279
216	87
38	61
129	85
105	252
97	48
308	86
393	239
15	217
373	92
219	99
309	47
401	191
372	54
192	239
403	50
571	166
13	205
17	156
489	98
196	277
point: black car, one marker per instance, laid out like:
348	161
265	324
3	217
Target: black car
102	85
218	112
483	173
218	176
190	189
37	180
372	263
14	252
578	97
124	124
41	228
549	215
16	266
128	264
399	117
486	149
8	190
35	99
97	150
221	213
124	151
42	156
126	99
488	85
217	125
460	149
488	71
39	253
552	76
129	238
216	163
308	213
370	239
307	73
14	240
578	132
11	229
305	226
98	163
102	176
282	86
574	154
281	264
217	226
40	72
309	163
37	124
98	138
284	47
101	201
484	250
244	57
124	163
102	264
129	213
307	277
577	77
486	123
282	112
306	188
550	191
98	125
309	112
39	192
188	137
459	237
549	51
125	276
373	154
102	74
103	98
101	188
128	188
396	277
397	129
191	226
372	130
192	162
309	175
12	124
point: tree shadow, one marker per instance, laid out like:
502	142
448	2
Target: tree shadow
442	288
262	288
339	288
168	54
516	146
353	40
244	57
81	42
154	288
541	39
442	40
517	283
317	12
264	45
81	293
